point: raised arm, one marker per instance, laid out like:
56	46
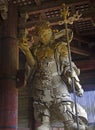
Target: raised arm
23	45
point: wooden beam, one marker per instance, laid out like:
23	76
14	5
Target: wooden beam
54	21
80	40
86	65
79	51
44	9
87	33
51	4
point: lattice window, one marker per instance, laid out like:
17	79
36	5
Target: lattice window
82	7
52	14
23	2
85	25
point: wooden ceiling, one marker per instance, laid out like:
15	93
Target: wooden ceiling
83	44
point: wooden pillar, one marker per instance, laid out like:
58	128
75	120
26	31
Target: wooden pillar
8	70
31	115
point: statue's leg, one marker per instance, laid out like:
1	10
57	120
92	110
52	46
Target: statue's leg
68	120
45	116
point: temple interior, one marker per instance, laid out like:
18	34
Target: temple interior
16	101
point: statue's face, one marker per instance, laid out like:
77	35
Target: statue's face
45	36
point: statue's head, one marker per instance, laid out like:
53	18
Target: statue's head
44	32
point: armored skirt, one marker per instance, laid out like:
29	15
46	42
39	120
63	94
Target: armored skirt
47	84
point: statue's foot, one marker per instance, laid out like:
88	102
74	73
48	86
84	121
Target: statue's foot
44	127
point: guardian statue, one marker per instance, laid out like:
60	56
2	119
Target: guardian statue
52	79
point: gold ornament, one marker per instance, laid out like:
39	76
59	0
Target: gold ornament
67	19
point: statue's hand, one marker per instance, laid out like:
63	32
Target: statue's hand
80	92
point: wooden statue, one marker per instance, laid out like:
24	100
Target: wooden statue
50	82
52	78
